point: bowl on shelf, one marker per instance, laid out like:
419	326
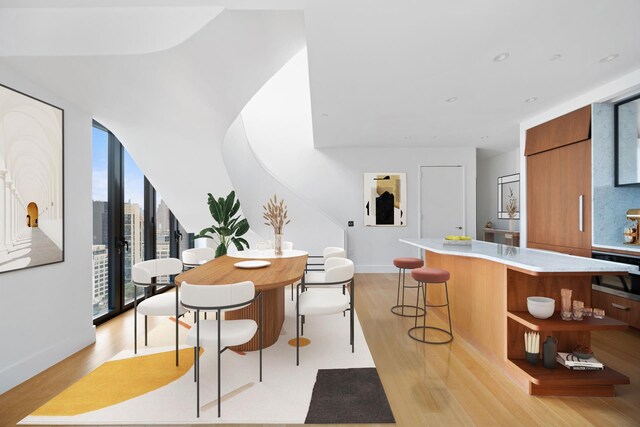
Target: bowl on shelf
541	307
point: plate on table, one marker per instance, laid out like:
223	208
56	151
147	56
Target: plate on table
252	264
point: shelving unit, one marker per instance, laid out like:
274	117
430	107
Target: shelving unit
566	382
560	381
555	323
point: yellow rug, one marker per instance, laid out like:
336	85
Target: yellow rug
117	381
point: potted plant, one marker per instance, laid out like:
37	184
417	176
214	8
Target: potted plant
229	225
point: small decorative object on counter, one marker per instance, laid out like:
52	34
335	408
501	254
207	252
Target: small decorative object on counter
582	352
587	312
632	227
532	347
578	308
489	224
598	313
565	311
550	353
276	215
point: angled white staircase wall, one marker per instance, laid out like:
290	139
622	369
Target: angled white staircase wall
310	228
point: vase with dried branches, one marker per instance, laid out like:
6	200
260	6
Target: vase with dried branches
512	208
275	214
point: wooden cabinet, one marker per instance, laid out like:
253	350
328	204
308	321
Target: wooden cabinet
559	186
620	308
564	130
559	198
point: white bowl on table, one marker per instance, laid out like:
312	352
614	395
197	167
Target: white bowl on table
541	307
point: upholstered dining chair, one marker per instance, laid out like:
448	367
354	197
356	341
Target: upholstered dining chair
314	272
220	334
143	275
313	301
196	256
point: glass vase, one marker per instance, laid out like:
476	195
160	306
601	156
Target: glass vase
277	247
566	310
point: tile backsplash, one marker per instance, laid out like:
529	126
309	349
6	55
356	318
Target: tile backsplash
609	203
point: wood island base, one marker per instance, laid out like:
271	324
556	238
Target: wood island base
488	302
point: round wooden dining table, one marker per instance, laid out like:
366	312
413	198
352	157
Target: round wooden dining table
269	280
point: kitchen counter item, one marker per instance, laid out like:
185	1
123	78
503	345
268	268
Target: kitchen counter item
550	352
541	307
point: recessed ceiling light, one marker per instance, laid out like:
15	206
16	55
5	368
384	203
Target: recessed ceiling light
555	57
531	99
609	58
501	57
452	99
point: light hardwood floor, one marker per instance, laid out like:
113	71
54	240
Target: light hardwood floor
427	385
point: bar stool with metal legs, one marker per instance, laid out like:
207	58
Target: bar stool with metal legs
434	276
403	264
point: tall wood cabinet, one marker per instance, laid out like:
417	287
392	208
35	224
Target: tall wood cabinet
559	184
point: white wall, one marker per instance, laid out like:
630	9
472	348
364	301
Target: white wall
255	186
278	126
489	170
45	312
611	91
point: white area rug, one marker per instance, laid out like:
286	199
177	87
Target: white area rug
282	398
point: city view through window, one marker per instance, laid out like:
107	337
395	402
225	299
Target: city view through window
134	222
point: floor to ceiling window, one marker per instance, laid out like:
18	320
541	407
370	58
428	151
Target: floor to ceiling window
128	225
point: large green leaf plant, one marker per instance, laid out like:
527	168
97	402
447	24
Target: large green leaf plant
228	227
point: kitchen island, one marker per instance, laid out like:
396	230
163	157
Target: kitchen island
488	293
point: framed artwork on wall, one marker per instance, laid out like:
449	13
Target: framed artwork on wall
509	196
31	181
385	199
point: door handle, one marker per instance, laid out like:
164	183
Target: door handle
620	306
459	228
581	212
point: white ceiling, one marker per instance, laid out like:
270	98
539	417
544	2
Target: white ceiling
381	71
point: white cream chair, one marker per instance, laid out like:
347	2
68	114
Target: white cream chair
220	334
313	301
315	271
197	256
143	275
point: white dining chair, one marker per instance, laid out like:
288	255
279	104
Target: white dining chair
197	256
313	301
314	272
220	334
144	275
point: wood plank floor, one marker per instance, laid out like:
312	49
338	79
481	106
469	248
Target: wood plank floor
427	385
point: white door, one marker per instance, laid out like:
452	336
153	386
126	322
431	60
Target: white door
442	201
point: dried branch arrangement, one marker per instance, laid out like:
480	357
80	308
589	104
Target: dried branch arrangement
512	207
275	213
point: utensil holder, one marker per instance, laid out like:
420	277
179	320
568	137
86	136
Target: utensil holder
532	358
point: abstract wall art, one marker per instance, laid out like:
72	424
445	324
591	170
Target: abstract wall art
31	181
385	199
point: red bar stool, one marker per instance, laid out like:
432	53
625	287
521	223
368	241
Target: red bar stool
434	276
403	264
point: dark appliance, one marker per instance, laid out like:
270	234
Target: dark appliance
624	286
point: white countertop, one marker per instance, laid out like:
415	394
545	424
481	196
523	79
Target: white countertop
627	248
534	260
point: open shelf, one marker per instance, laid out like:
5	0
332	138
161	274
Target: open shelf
562	376
555	323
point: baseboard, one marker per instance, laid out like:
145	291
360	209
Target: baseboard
21	371
376	269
